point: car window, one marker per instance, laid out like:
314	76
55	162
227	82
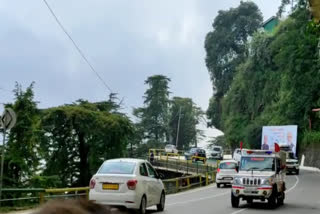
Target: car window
143	170
152	172
228	165
120	167
217	149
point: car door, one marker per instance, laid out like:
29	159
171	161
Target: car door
146	182
155	187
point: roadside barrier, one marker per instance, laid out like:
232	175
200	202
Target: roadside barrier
23	196
188	182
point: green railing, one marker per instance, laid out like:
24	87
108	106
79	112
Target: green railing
30	196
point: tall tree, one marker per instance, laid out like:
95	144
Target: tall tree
190	116
22	157
226	49
154	115
278	84
79	137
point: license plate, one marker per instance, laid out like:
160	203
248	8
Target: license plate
110	186
228	178
251	189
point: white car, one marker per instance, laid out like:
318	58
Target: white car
226	171
170	149
130	183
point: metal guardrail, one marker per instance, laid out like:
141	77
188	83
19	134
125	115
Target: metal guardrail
184	183
40	194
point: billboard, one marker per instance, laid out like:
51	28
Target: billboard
282	135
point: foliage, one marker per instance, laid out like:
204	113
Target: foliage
277	84
189	118
310	137
21	157
38	181
154	115
80	137
226	49
62	146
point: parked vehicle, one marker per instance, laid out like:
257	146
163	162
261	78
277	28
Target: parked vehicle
291	160
169	148
196	154
130	183
226	171
261	177
217	152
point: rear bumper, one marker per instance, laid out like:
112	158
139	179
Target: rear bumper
129	200
292	168
220	179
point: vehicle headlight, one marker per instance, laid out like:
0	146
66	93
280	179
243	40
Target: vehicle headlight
267	181
237	181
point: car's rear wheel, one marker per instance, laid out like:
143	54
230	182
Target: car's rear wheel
143	205
160	206
235	201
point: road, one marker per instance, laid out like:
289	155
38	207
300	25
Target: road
302	197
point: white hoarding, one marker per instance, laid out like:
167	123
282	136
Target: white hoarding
282	135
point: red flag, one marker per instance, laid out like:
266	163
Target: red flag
276	147
241	145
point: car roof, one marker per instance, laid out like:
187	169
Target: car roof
132	160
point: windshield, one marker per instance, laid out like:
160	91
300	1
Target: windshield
117	168
257	163
169	146
227	165
217	149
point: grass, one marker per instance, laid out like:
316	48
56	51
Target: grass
5	209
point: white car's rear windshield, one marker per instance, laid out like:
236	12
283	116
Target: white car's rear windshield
228	165
120	167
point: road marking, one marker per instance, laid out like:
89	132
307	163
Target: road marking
199	199
192	191
294	186
239	211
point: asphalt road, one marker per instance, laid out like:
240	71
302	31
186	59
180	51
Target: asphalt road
302	197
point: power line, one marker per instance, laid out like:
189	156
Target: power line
77	47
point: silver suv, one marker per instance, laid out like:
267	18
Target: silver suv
261	177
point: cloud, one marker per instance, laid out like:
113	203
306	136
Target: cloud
126	41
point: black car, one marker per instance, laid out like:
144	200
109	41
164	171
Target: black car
196	154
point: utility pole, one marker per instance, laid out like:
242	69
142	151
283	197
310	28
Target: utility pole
177	138
2	161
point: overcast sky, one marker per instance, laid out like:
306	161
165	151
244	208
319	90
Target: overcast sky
125	40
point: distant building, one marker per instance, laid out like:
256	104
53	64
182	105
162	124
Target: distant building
270	24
